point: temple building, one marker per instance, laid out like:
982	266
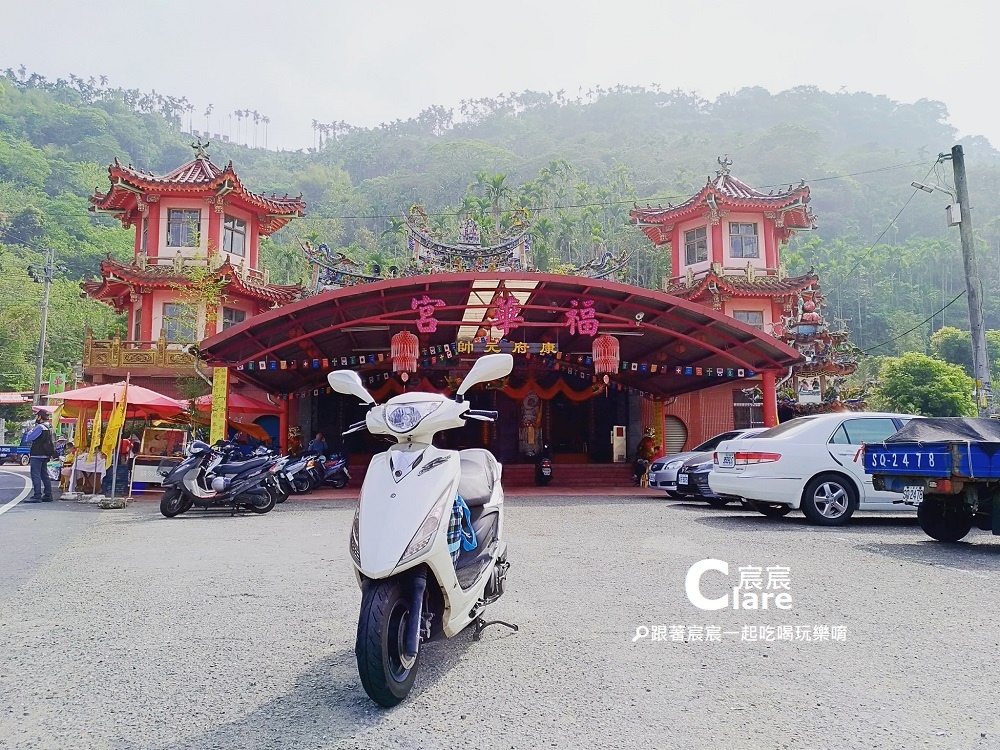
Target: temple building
725	244
196	268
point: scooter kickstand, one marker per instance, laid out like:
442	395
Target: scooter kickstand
481	625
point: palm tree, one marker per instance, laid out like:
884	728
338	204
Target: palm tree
315	126
266	120
496	191
256	122
208	111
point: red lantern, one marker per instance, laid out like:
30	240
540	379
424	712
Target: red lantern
403	351
605	354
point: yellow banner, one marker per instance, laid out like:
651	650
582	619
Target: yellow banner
95	436
116	420
220	391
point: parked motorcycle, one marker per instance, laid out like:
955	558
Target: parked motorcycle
335	471
203	480
428	537
543	467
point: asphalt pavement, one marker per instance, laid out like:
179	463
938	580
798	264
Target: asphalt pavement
210	631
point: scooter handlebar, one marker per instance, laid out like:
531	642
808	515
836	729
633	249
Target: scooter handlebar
482	415
355	427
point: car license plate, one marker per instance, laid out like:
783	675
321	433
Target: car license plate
913	493
682	479
727	460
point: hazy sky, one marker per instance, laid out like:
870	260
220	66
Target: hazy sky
369	61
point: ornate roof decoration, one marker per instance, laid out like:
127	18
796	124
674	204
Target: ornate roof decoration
131	189
121	283
724	193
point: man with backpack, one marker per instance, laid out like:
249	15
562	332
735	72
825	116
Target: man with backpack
43	448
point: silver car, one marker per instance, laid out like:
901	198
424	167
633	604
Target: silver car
663	470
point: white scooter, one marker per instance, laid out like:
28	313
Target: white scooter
413	586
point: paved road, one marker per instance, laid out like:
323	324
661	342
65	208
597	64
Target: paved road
218	632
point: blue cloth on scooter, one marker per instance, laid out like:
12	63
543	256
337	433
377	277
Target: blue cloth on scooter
461	534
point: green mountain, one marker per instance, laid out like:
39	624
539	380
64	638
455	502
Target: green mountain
886	258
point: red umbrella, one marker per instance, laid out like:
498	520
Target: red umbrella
238	404
142	402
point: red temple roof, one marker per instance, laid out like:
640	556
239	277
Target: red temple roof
119	280
724	192
199	177
741	286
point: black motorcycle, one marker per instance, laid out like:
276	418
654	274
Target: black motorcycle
543	467
203	480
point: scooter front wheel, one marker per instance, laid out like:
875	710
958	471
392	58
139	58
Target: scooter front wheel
172	503
385	610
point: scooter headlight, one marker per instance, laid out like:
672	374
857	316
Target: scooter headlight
404	417
424	537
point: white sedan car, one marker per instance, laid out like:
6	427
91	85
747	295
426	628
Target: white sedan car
808	463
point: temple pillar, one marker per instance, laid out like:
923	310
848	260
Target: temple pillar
769	391
253	240
283	427
153	239
717	253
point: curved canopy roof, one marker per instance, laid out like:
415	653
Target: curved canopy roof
653	328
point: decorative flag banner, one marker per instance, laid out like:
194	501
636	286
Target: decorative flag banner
315	364
272	365
326	364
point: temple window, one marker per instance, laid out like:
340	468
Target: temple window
183	227
696	245
145	234
137	324
743	241
751	317
234	238
179	322
231	317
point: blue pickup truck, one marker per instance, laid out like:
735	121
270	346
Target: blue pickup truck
18	453
948	467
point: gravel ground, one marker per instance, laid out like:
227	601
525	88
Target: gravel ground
218	632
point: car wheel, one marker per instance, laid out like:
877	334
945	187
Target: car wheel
718	502
943	520
771	510
829	500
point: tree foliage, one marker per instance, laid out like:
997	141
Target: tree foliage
917	384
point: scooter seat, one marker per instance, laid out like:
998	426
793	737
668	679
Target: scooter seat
480	471
240	467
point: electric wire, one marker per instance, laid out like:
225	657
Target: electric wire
918	325
594	204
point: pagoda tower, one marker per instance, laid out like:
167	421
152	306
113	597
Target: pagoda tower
725	244
196	269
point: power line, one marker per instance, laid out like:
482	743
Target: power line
888	226
918	325
595	204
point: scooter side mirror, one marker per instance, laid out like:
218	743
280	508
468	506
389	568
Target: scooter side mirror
349	383
487	368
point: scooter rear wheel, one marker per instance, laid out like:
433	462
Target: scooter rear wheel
339	483
385	609
261	503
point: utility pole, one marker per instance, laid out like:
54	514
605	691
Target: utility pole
43	275
980	357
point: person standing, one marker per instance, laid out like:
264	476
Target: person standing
318	445
43	448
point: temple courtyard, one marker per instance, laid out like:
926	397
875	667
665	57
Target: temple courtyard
123	629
